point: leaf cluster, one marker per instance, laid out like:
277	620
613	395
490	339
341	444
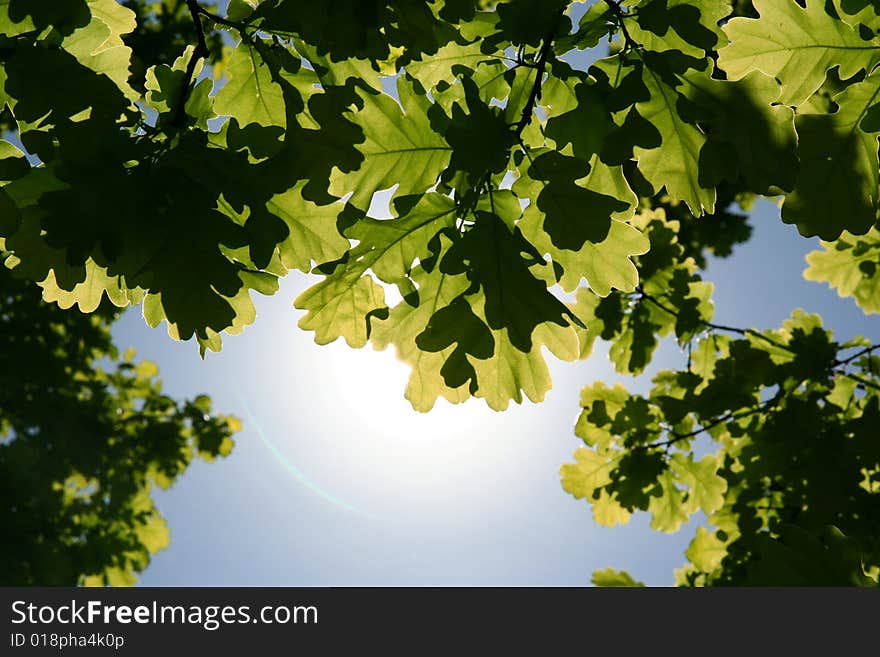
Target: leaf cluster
85	434
771	435
513	176
168	155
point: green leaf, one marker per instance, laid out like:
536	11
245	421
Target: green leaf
705	486
22	16
336	73
851	265
595	24
165	83
457	324
263	80
706	551
605	265
611	577
480	137
632	348
514	299
76	87
796	46
390	247
313	236
338	307
688	26
400	147
430	70
573	213
10	217
406	321
510	372
747	121
675	164
592	470
838	187
608	512
668	508
88	294
578	116
529	21
240	10
600	407
99	45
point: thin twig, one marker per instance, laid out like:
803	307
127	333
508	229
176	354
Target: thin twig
715	327
859	354
200	51
535	93
746	332
865	382
218	19
628	42
730	415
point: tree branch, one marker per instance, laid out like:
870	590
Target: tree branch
628	42
195	9
715	327
865	382
730	415
218	19
855	356
745	332
535	93
200	51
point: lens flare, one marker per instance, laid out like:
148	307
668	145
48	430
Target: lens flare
297	474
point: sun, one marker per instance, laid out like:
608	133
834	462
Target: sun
338	428
336	419
370	386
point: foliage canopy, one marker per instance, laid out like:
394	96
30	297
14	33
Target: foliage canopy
535	204
85	433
